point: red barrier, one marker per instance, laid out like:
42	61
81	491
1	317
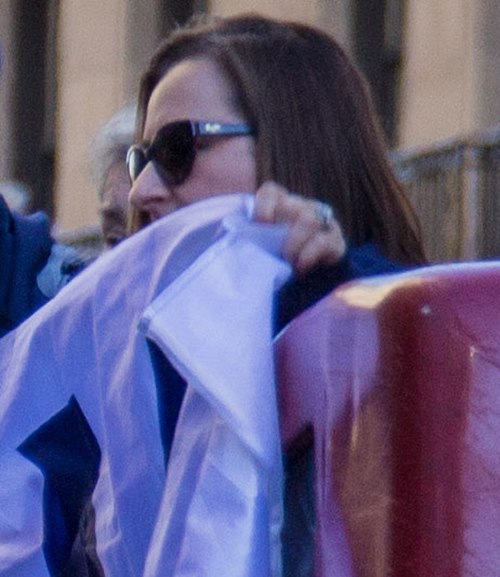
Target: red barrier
400	379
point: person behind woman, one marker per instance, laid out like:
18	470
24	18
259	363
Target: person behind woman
109	173
310	141
33	266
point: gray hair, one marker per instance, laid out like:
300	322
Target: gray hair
110	145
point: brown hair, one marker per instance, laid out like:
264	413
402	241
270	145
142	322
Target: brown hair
316	131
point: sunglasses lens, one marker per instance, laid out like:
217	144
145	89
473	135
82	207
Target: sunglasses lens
173	151
136	161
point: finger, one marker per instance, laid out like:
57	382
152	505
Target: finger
275	204
299	234
308	223
309	213
320	249
311	240
268	199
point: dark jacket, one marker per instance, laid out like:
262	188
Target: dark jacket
32	266
25	246
301	293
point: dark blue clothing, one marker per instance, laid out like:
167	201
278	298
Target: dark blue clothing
32	266
25	246
301	293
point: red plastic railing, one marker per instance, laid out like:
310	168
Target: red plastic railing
399	378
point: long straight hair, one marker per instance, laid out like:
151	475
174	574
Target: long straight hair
311	109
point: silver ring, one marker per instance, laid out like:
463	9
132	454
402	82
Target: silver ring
324	213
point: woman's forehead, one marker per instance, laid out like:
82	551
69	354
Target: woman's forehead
197	89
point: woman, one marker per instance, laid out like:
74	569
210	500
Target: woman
310	136
237	105
298	129
292	121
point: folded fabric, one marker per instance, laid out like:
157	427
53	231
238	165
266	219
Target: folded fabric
214	323
83	489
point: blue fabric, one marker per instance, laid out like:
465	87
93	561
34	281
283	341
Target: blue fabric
25	245
33	268
85	343
63	264
367	260
66	451
171	388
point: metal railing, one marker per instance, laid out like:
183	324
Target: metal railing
455	189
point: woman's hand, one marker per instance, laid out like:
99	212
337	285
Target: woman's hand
314	238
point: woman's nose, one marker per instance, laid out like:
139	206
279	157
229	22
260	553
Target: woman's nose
147	190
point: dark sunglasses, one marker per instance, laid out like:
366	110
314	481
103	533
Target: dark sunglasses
174	147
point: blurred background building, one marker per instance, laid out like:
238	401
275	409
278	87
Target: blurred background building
433	66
